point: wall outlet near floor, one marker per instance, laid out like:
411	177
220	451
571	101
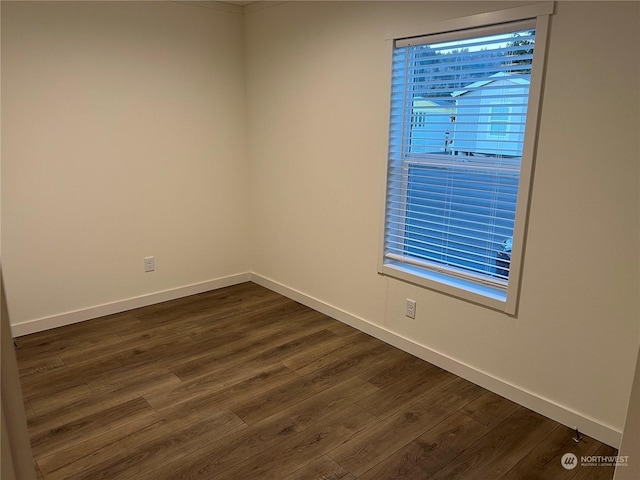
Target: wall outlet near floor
410	308
149	264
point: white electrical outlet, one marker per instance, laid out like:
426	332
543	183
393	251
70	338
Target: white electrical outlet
410	308
149	264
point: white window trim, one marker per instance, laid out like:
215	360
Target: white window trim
486	295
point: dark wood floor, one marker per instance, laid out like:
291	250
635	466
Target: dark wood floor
242	383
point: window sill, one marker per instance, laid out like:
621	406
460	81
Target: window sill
484	295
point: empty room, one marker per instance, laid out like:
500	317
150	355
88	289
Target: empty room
320	240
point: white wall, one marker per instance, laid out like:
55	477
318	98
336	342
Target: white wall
318	94
123	128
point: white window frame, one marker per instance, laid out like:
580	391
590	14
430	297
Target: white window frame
499	297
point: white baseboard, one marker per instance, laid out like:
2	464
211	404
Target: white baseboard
46	323
561	414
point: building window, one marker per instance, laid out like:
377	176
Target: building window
499	121
464	107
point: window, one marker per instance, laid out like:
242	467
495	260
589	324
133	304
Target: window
464	108
499	121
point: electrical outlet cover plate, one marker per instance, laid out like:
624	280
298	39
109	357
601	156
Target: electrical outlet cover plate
149	264
410	308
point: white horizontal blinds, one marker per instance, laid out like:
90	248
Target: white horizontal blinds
458	115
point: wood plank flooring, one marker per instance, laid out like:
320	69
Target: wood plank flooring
241	383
